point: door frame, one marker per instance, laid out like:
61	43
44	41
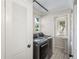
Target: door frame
3	29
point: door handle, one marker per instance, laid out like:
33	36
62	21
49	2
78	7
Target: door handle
44	45
29	45
70	55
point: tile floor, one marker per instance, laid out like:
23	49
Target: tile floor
58	52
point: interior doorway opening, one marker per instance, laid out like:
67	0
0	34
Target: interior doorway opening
52	28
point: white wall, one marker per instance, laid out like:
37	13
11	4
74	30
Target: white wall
47	25
47	21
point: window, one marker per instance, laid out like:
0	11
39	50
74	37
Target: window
36	25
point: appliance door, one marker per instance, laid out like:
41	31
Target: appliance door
36	51
50	47
44	51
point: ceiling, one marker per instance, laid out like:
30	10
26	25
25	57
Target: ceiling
53	5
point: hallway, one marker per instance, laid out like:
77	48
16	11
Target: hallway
59	49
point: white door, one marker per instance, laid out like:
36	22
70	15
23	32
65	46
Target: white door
19	29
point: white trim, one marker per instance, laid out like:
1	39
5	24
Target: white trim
3	30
